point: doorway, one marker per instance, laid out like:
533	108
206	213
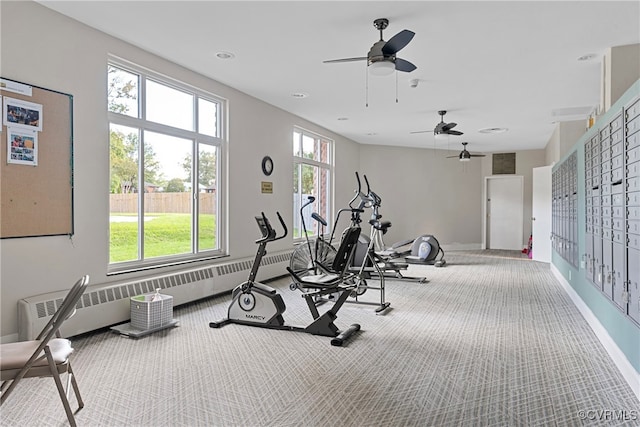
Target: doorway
541	214
504	212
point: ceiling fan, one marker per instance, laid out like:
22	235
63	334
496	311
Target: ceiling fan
382	59
464	155
442	129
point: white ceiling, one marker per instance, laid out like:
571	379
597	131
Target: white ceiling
490	64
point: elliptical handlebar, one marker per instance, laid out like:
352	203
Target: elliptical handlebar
364	199
357	192
371	195
374	200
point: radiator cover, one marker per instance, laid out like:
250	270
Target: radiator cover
108	304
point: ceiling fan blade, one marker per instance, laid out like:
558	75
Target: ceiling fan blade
454	132
397	42
420	131
439	127
406	66
360	58
457	156
478	155
449	126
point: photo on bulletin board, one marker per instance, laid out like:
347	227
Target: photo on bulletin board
16	112
22	146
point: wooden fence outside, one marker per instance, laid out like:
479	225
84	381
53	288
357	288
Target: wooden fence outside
162	203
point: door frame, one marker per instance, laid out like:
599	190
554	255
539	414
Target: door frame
485	224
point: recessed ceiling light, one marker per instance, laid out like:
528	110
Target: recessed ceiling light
299	95
225	55
493	130
587	57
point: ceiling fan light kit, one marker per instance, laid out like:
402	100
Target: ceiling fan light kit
464	155
382	68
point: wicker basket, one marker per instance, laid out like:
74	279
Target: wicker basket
151	311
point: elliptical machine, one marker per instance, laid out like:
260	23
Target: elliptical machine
369	254
256	304
424	249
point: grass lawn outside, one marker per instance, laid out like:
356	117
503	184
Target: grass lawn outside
165	234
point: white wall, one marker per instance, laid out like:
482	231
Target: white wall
564	136
425	193
422	191
59	53
621	69
525	162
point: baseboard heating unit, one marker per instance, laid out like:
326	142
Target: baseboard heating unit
108	304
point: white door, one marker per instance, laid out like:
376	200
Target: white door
504	212
541	214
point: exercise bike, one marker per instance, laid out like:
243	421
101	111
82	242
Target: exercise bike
256	304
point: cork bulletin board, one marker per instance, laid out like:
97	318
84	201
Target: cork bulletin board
36	161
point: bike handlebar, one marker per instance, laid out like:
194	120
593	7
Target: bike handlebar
268	233
284	226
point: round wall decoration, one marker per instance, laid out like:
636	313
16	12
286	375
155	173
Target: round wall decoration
267	165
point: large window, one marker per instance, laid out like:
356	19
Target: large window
312	172
166	145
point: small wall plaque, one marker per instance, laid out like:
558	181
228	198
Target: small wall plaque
267	187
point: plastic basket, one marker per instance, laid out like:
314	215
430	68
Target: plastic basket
151	311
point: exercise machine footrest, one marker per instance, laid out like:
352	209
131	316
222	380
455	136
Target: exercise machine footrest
344	335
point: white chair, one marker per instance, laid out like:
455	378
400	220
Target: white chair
46	356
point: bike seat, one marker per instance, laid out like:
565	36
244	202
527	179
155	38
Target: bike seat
380	225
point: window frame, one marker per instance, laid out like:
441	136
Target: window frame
329	167
220	142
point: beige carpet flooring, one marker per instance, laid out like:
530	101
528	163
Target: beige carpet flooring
490	340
